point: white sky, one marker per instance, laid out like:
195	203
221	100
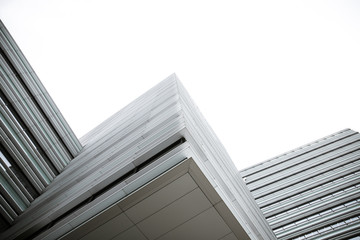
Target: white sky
269	76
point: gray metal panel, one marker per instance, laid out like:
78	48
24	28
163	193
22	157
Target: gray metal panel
302	192
38	93
33	131
135	134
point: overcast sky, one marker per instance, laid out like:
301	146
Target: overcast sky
268	76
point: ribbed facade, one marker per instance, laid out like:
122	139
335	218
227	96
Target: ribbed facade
155	170
36	143
159	146
143	141
312	192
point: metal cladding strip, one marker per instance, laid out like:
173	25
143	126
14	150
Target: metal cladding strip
31	115
22	162
104	170
56	211
140	104
17	130
11	197
10	136
305	160
123	137
205	141
118	141
8	173
168	162
33	132
147	116
6	211
319	180
319	223
309	183
291	205
315	208
16	187
336	155
345	232
57	208
107	165
344	183
37	89
296	152
129	139
308	174
32	118
223	179
322	179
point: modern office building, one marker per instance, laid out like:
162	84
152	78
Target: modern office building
312	192
156	170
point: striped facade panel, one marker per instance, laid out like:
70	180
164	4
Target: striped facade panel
36	143
312	192
52	185
156	132
207	145
144	130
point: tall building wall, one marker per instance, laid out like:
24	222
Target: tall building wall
312	192
156	170
143	143
36	143
52	186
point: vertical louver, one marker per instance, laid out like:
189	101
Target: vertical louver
36	144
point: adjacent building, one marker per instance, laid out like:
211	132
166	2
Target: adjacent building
155	170
312	192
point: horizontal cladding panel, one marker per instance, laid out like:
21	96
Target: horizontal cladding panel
320	222
106	167
130	133
274	204
130	138
308	160
133	115
209	147
346	232
279	211
127	185
314	207
339	156
139	105
123	119
87	162
310	189
303	181
106	173
296	152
